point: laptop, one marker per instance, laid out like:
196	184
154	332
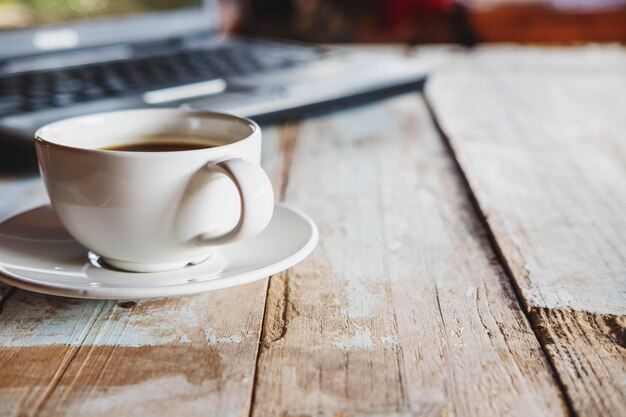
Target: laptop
66	58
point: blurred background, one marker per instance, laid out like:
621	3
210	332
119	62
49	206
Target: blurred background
15	14
413	21
434	21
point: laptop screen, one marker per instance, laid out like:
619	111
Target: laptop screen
22	14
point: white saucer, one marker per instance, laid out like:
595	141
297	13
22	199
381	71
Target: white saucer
37	254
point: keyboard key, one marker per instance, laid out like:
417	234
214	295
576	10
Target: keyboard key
58	88
63	99
10	103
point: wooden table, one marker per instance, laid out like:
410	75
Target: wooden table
472	262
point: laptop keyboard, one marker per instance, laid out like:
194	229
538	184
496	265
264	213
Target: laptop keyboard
59	88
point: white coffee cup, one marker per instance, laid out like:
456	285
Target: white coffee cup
155	211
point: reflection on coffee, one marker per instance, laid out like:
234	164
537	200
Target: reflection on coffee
172	145
162	144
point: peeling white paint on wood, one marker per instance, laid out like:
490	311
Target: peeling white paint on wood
361	302
543	148
389	340
544	153
361	339
120	327
388	286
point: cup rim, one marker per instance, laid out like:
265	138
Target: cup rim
255	129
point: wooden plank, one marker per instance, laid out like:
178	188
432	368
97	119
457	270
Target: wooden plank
38	335
402	310
565	62
186	356
540	136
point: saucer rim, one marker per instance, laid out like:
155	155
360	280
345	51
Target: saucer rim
173	290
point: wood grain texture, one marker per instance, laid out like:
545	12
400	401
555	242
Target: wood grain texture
587	350
184	356
402	309
541	139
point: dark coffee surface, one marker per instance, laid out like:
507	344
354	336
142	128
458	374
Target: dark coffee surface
158	147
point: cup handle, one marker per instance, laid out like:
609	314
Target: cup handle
256	195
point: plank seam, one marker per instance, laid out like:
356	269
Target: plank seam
255	377
288	135
58	375
399	353
484	223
